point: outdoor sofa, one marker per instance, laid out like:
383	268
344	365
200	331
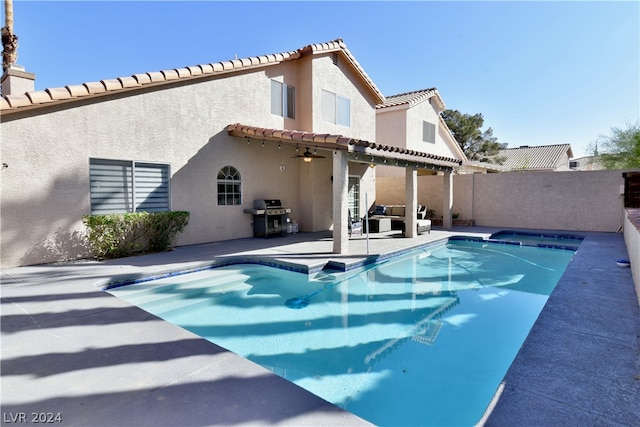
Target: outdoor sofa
392	217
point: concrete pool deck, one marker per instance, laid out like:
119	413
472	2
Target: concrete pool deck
69	348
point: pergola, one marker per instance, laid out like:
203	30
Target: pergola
345	150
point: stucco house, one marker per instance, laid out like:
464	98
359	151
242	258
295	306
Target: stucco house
412	121
209	139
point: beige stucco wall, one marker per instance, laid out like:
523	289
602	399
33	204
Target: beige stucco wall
339	79
45	189
587	201
402	126
632	240
391	126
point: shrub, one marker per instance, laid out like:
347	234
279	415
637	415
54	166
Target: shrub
120	235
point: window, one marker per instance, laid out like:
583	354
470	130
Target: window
353	197
283	99
229	186
429	132
118	186
336	109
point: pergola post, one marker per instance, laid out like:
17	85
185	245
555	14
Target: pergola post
447	200
411	202
340	197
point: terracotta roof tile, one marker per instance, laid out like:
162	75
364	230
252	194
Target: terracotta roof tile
78	90
15	101
59	93
208	68
411	98
112	84
128	82
156	76
95	87
170	75
337	142
39	97
183	72
195	70
141	79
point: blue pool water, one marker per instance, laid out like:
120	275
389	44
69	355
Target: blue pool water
423	339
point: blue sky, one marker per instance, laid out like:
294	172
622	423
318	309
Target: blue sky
540	72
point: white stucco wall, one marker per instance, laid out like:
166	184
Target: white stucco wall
45	190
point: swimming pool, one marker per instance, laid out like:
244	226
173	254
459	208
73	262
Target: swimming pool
423	339
531	238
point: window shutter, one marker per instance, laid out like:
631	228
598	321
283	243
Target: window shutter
428	132
290	102
152	187
111	183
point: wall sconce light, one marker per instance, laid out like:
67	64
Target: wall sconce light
263	143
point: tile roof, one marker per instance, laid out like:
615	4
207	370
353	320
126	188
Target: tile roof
543	157
340	142
51	96
412	98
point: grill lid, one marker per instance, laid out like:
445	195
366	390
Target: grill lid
267	204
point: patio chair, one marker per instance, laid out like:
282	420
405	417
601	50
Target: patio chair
355	227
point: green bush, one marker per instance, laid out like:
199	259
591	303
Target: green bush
120	235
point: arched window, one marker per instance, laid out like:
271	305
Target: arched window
229	186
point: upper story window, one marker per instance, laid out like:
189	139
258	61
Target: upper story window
283	99
229	186
119	186
428	132
336	109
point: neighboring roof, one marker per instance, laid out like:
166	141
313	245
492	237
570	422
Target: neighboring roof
473	166
410	99
340	142
53	96
545	157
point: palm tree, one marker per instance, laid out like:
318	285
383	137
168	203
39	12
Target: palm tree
9	40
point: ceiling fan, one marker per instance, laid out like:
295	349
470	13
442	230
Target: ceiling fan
307	156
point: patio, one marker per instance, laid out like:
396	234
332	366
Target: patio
69	348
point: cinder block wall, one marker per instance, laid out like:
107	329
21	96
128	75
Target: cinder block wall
576	200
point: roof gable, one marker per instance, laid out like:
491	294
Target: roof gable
409	99
53	96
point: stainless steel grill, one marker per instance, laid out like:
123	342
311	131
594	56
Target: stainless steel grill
269	218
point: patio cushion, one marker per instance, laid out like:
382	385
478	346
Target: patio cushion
380	210
397	211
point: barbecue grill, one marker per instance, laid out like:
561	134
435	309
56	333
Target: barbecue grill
269	218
